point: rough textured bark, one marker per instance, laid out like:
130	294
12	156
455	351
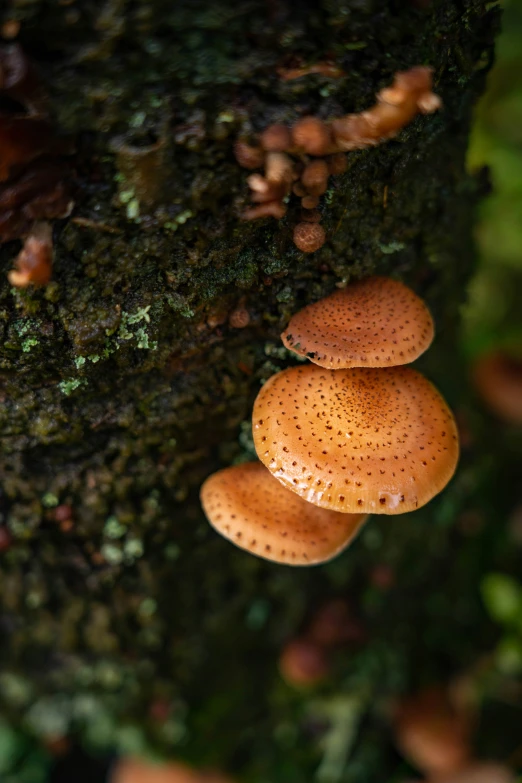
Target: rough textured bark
123	384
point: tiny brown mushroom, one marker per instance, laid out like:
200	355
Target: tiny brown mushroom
498	380
378	441
35	260
432	733
276	138
375	322
253	510
315	177
311	215
303	663
309	237
248	156
310	202
313	136
481	772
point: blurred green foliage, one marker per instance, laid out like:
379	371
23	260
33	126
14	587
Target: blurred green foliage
493	317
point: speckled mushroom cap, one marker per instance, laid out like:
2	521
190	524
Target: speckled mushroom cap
377	322
379	441
248	506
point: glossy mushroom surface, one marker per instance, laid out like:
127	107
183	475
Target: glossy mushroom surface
250	508
379	441
376	322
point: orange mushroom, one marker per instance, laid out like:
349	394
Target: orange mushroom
376	322
249	507
370	440
134	770
309	237
432	734
303	663
481	772
498	379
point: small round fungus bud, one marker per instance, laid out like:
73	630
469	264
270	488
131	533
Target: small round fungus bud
303	663
276	138
376	322
35	260
239	318
309	237
312	135
378	441
315	177
310	202
247	156
250	508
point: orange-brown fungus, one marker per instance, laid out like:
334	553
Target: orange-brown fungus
309	237
410	93
134	770
34	261
303	663
248	156
380	441
377	322
481	772
276	138
498	379
249	507
312	136
432	733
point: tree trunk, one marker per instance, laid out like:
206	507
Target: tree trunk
124	383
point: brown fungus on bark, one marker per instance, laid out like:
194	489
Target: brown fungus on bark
378	441
276	138
312	136
248	156
246	505
411	93
376	322
309	237
498	380
35	260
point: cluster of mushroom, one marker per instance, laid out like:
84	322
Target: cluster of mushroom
34	177
354	433
300	159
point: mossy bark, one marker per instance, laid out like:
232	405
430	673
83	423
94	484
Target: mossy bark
124	386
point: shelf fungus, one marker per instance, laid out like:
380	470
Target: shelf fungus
375	441
250	508
314	149
376	322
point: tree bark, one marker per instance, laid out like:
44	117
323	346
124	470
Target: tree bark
124	384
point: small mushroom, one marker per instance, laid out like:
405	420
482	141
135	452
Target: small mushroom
303	663
35	260
376	322
134	770
481	772
498	379
312	136
377	441
309	237
276	138
432	734
253	510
